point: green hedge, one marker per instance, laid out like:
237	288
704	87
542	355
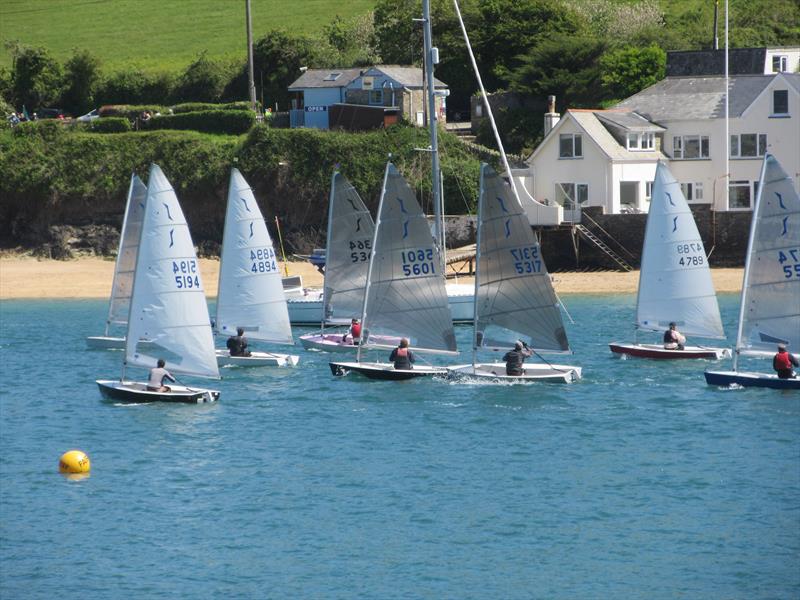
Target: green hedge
131	111
109	125
203	106
231	122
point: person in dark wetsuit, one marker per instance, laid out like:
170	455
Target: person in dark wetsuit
237	344
514	359
402	356
782	362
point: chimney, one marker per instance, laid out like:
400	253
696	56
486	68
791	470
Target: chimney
551	117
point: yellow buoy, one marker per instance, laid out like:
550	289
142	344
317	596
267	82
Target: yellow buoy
74	461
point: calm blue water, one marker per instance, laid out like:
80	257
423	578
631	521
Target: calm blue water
638	482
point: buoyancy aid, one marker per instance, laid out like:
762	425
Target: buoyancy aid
781	362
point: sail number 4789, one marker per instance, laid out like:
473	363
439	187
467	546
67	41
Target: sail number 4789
792	257
418	262
527	260
691	254
185	272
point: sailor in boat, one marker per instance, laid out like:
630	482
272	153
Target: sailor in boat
353	334
237	344
157	376
514	359
402	356
783	361
674	339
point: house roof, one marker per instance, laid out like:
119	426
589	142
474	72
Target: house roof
325	78
697	98
627	121
410	77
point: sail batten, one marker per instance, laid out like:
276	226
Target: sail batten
250	292
168	305
675	281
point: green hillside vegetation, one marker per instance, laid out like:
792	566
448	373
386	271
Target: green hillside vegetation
158	36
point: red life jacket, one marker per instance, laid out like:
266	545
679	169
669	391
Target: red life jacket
355	330
402	352
781	362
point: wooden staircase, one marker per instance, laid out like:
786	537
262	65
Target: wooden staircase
594	239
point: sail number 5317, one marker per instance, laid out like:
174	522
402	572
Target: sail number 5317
790	261
527	260
185	272
418	262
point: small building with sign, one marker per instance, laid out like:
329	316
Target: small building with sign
398	90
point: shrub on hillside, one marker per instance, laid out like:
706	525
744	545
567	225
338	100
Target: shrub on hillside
198	106
135	87
131	111
231	122
47	129
110	125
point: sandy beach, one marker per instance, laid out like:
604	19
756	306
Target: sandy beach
90	277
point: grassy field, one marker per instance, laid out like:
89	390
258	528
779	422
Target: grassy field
154	34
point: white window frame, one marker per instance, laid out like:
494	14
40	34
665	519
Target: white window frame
736	145
692	191
774	110
648	191
742	184
679	147
782	61
648	141
576	189
573	137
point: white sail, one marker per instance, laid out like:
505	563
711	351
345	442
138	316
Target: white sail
675	281
770	309
168	305
350	233
250	289
515	298
406	293
119	303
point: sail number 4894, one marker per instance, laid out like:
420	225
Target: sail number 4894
527	260
792	258
263	260
185	272
418	262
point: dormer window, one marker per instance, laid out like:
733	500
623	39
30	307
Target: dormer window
780	63
641	141
332	76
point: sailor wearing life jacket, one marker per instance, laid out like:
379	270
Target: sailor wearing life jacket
402	356
354	333
783	362
674	339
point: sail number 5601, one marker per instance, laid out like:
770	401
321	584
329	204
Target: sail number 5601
527	260
185	272
418	262
792	257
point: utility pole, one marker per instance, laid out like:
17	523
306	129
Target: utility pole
251	86
431	58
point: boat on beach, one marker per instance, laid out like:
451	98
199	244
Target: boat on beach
769	310
250	292
674	281
167	306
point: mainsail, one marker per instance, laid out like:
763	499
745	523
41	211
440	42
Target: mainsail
168	305
770	308
514	296
250	288
406	293
350	233
675	281
119	303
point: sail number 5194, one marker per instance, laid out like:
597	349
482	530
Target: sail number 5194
418	262
185	273
790	261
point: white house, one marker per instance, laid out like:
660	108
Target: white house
607	157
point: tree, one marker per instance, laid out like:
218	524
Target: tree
202	81
354	40
134	86
36	78
628	70
81	76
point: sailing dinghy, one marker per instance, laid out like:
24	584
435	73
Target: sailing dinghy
119	302
250	291
674	281
769	312
514	297
167	305
349	242
405	287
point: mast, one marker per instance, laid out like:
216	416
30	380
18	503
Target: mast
727	140
477	278
432	57
327	247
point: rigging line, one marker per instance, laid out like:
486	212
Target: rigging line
548	363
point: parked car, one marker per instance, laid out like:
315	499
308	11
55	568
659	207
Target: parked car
90	116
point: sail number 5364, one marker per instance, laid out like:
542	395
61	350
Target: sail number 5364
359	250
790	261
185	272
527	260
418	262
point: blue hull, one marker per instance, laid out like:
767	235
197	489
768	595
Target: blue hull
725	378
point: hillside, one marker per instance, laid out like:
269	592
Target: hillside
158	35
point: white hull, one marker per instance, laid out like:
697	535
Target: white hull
256	359
331	342
532	373
657	351
307	309
102	342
